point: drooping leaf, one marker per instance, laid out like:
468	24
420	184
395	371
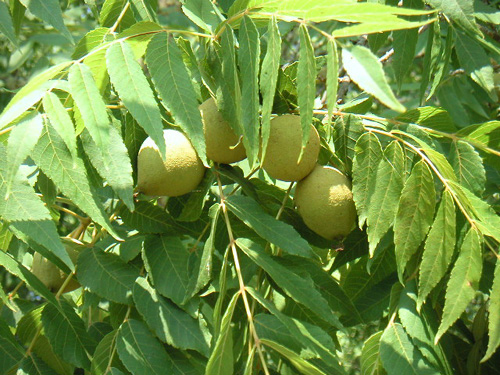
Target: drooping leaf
203	13
12	351
112	163
386	194
133	89
221	359
276	232
106	274
439	248
415	214
146	218
460	11
405	43
366	71
298	288
104	355
6	24
170	324
140	351
170	266
348	129
464	281
419	328
468	167
22	140
172	81
33	365
332	78
60	120
269	78
306	83
494	317
144	10
300	363
431	57
30	94
55	160
90	103
475	62
370	356
248	60
368	153
49	11
399	355
67	334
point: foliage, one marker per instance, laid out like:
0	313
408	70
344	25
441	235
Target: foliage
227	279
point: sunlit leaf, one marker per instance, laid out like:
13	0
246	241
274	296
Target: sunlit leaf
439	248
6	24
415	214
464	281
494	317
468	167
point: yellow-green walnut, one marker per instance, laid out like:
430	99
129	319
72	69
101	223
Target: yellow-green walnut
222	143
325	203
284	146
178	174
51	275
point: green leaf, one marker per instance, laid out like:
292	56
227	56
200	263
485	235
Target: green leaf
405	43
140	351
306	83
106	274
366	71
170	266
399	355
368	153
323	10
22	140
464	281
6	24
312	337
111	10
55	160
171	79
269	78
170	324
50	12
439	248
332	77
203	13
248	60
298	288
221	359
276	232
90	41
348	129
468	167
476	62
300	364
61	121
12	351
112	163
429	117
133	88
370	356
415	324
67	334
494	317
105	356
144	10
30	94
385	195
146	218
460	11
432	57
33	365
415	214
139	35
90	103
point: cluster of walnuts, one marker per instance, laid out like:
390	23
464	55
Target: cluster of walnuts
323	194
